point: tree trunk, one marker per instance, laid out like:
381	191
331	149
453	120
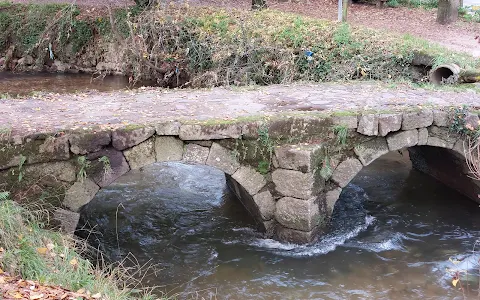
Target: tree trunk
259	4
447	11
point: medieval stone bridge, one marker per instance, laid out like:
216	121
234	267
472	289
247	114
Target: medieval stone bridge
287	152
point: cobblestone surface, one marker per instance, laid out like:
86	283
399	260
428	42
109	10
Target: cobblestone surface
151	105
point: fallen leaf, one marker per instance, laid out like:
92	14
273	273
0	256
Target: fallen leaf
74	262
455	281
36	296
42	250
97	296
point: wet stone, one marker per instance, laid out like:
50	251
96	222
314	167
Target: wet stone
402	139
346	171
125	138
297	214
141	155
222	159
168	148
87	142
369	151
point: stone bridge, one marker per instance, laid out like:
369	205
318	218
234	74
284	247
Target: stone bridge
287	166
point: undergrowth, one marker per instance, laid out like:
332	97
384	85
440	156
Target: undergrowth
35	253
184	46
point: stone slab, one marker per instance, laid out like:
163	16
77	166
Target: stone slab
80	193
389	123
295	236
296	184
331	198
368	125
124	138
368	151
300	157
197	154
168	148
266	204
222	159
422	136
440	118
441	137
196	132
298	214
88	141
103	173
249	179
68	220
346	171
418	119
168	128
141	155
351	122
402	139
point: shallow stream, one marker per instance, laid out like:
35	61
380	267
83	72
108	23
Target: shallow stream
393	232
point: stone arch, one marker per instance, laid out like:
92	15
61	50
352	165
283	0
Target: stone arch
415	131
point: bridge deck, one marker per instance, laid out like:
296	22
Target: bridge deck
150	105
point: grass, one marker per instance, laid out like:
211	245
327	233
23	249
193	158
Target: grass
47	256
341	132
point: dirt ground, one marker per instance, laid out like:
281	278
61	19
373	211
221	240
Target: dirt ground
418	22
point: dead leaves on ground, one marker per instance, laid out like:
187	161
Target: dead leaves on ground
16	288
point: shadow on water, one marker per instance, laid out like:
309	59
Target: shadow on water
391	236
26	83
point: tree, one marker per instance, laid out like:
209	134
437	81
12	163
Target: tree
259	4
447	11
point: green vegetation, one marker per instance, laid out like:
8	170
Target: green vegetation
426	4
83	165
211	47
341	131
47	256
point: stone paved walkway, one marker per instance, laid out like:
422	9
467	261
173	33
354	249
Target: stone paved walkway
59	112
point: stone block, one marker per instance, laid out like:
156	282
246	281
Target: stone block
222	159
297	157
346	171
441	137
371	150
418	119
68	220
368	125
168	148
402	139
266	205
141	155
472	120
350	122
331	198
298	214
88	141
440	118
461	146
289	235
124	138
249	179
80	193
389	123
168	128
34	150
195	132
194	153
62	171
103	173
422	136
296	184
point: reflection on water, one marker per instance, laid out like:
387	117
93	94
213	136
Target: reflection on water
392	233
26	83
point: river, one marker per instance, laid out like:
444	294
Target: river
392	234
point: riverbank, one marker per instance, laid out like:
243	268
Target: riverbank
204	47
37	262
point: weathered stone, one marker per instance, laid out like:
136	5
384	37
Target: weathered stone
68	220
297	157
124	138
141	155
350	122
250	129
441	137
371	150
80	194
251	180
209	132
168	148
346	171
418	119
195	154
62	171
266	204
460	147
222	159
440	118
296	184
471	120
297	214
202	143
295	236
168	128
34	151
104	173
88	141
402	139
331	198
368	125
422	136
389	123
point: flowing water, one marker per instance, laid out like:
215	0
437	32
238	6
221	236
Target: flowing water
392	234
